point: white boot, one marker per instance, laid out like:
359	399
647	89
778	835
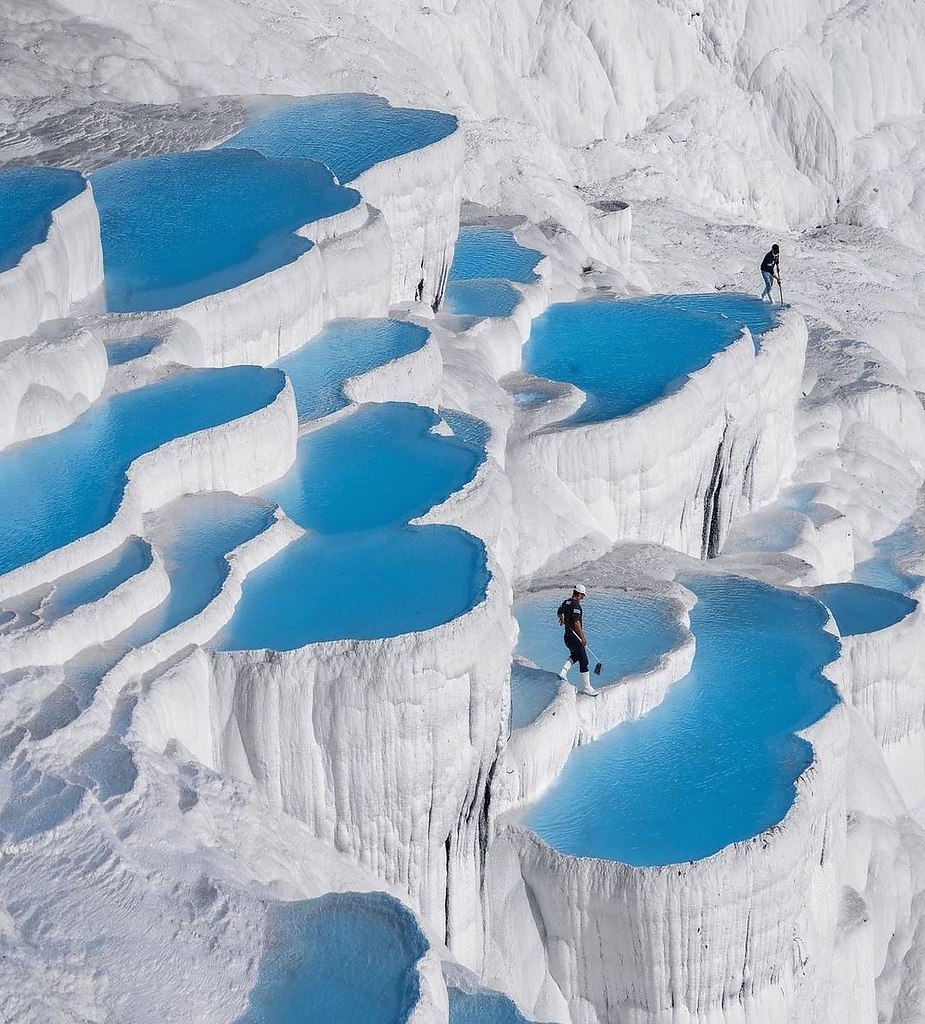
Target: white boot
586	688
563	675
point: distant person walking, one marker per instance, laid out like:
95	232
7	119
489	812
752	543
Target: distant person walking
570	617
770	271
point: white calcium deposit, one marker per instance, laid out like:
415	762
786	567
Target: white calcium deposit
160	803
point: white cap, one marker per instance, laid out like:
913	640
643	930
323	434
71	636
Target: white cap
579	588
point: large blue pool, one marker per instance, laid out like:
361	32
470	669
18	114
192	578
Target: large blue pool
345	349
483	252
344	958
717	761
626	353
63	486
28	197
857	608
175	228
355	485
627	633
348	133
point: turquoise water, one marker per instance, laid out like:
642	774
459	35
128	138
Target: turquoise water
28	196
203	529
716	762
470	429
483	1008
358	586
626	353
124	351
348	133
380	466
63	486
175	228
861	609
97	579
344	349
492	252
363	573
628	634
481	298
344	958
884	570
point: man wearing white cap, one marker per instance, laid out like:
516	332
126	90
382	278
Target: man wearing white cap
570	617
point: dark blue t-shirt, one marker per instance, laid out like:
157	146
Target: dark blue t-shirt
570	610
770	263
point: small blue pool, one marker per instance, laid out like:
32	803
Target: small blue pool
485	252
355	484
127	349
178	227
344	958
857	608
380	466
93	581
717	761
481	298
483	1008
345	349
628	634
28	197
348	133
883	568
626	353
63	486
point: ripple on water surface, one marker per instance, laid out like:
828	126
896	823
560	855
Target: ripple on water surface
488	252
626	353
481	298
348	133
345	349
178	227
28	197
627	633
63	486
717	761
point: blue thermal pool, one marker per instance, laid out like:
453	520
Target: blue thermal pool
626	353
127	349
469	429
717	760
484	252
348	133
345	349
355	484
628	634
380	466
197	531
63	486
97	579
28	197
177	227
884	568
858	608
344	957
481	298
483	1008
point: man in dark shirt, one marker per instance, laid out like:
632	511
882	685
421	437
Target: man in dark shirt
770	271
570	617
